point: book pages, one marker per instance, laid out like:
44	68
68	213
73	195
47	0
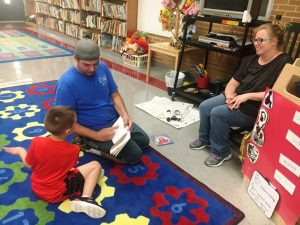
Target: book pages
120	138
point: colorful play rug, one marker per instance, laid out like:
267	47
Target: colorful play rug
17	45
152	192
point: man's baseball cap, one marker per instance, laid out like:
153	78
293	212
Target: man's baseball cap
86	49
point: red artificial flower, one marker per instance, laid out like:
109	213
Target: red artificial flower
143	44
130	33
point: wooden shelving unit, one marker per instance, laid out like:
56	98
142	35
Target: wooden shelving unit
105	21
239	52
29	7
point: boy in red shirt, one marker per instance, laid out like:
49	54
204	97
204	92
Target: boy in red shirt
53	161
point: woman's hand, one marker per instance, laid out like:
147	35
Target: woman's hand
235	102
229	98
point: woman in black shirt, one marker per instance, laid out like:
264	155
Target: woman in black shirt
240	102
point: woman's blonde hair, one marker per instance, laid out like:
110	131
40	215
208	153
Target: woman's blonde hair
274	30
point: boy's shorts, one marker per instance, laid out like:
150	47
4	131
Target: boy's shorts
74	183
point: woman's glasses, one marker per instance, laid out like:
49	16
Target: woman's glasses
260	40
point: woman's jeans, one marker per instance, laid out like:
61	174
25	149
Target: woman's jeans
215	122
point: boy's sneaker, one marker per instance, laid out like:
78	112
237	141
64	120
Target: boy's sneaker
214	161
89	206
198	145
101	174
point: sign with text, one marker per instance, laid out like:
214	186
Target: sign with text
263	193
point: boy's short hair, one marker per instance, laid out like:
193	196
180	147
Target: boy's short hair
59	119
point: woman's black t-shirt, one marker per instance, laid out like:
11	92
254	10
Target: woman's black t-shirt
254	77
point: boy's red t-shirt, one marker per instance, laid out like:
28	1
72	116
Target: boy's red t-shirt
51	161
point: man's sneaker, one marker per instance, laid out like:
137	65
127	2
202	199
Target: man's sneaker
93	151
214	161
198	145
78	141
89	206
104	155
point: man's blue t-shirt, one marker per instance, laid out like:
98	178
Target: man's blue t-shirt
90	96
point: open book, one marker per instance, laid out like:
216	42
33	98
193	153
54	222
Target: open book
120	138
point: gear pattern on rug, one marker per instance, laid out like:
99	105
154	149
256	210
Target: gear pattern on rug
122	219
3	140
10	96
17	175
33	129
121	186
19	112
39	208
138	174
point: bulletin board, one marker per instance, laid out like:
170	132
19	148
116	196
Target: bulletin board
274	152
148	18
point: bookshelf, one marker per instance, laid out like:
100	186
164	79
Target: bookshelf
29	7
104	21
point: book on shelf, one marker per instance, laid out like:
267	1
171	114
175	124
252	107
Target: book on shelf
120	138
85	33
106	40
117	43
114	10
96	38
107	19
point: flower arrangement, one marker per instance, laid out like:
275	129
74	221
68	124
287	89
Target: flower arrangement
136	43
172	13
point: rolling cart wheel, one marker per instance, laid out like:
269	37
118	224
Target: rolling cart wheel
173	96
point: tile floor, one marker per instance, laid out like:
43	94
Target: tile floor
225	180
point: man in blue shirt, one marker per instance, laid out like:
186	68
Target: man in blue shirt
90	89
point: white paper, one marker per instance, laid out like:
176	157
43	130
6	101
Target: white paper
286	183
296	118
263	194
289	164
162	108
293	139
245	16
120	138
120	131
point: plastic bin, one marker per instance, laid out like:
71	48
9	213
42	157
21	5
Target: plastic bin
170	79
135	60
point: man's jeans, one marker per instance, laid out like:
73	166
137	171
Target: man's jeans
215	122
131	152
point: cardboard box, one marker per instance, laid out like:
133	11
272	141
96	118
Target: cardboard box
277	145
285	84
